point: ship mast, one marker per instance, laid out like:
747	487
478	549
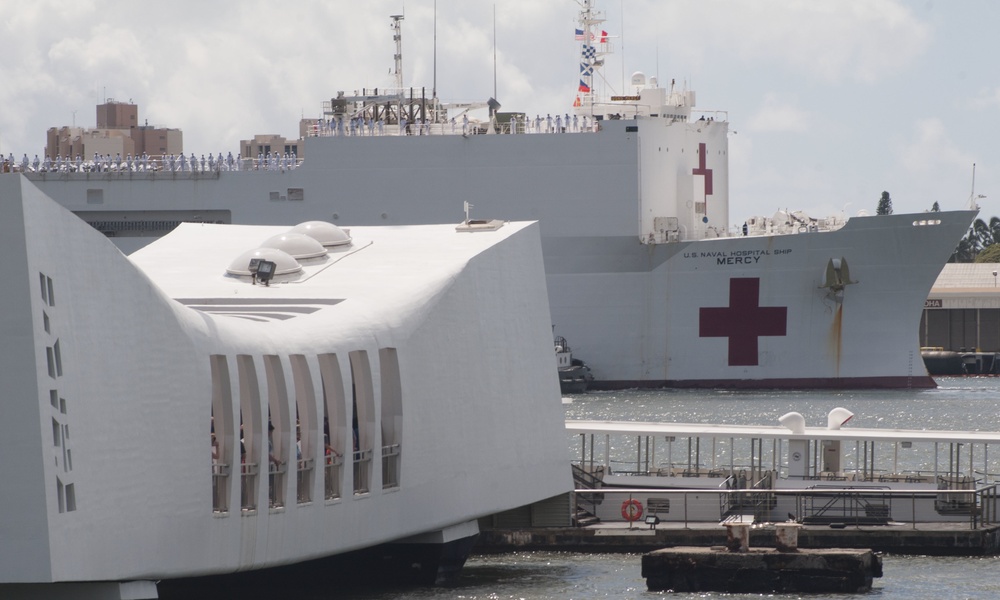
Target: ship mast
594	46
397	36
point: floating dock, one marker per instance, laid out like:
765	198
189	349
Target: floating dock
735	568
761	570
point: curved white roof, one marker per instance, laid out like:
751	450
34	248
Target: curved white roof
285	263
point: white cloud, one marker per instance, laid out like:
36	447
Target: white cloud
778	116
854	40
931	148
986	99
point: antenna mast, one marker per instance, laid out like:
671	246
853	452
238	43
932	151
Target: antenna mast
494	51
973	198
397	26
434	88
594	46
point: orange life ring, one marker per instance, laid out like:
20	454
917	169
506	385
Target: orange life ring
631	510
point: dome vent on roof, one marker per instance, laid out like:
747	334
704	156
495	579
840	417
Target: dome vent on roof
323	232
285	263
297	245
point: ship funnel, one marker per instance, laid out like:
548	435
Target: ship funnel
794	421
838	417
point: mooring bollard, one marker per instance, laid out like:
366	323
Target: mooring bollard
738	537
786	537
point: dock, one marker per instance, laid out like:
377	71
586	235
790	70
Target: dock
933	539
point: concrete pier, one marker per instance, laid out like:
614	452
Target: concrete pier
760	570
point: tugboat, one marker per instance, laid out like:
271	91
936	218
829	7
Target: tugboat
574	374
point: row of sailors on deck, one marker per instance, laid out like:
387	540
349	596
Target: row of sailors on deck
169	162
366	126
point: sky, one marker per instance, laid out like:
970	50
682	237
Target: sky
830	103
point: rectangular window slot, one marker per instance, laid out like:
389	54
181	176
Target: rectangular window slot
52	295
58	357
50	359
62	405
296	194
45	322
95	196
54	398
275	196
70	497
45	290
61	494
56	434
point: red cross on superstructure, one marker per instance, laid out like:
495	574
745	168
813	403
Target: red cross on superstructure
703	170
743	321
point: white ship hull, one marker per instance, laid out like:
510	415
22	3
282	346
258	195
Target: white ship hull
116	371
627	292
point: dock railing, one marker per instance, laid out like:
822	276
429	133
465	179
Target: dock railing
854	506
220	487
331	476
304	480
248	486
362	471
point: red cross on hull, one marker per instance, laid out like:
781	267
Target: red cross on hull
703	169
743	321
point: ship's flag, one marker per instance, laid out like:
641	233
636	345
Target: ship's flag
576	102
579	35
583	86
589	52
586	70
604	37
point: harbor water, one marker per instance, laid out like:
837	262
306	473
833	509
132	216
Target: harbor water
958	403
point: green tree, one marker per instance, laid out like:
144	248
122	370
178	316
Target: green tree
965	251
981	235
990	254
884	205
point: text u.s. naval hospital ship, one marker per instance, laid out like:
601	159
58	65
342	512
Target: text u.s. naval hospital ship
643	275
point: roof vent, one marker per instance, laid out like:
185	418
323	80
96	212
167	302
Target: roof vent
838	417
794	421
296	245
325	233
285	263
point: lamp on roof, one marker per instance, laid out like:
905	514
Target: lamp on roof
262	270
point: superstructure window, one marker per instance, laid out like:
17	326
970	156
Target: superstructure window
392	416
362	420
334	435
